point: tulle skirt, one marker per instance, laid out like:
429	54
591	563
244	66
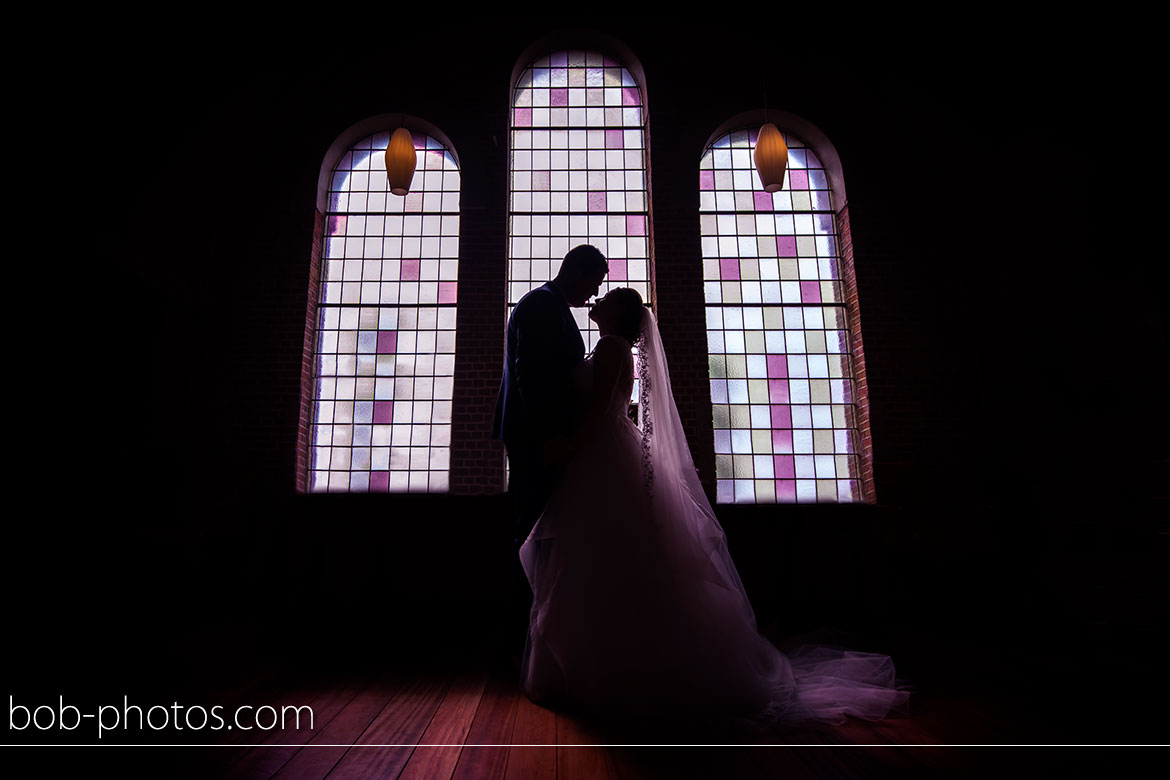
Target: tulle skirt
639	615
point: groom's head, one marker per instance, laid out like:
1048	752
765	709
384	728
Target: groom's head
582	272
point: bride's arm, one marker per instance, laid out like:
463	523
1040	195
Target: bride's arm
610	359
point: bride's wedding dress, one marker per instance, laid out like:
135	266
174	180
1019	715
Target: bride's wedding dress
638	610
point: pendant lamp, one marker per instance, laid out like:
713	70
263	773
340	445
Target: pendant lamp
771	157
400	161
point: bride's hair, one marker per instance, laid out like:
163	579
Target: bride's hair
629	322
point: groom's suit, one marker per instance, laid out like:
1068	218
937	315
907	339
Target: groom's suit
536	401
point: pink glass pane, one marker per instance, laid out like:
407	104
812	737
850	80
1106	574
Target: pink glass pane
785	466
777	366
387	342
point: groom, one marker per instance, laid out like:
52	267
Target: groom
535	416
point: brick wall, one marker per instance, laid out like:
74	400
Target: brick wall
477	462
857	353
308	352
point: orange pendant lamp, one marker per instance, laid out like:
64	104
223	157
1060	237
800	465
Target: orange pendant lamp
401	160
771	157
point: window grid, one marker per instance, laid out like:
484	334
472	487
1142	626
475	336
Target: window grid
384	368
577	174
782	391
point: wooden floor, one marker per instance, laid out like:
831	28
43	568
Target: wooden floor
391	725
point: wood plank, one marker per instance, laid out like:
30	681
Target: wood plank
450	726
938	719
888	760
822	750
636	763
493	724
501	715
580	763
781	761
1007	721
262	762
260	687
902	732
730	761
534	726
829	762
345	729
928	725
860	732
402	722
878	762
806	735
291	690
255	688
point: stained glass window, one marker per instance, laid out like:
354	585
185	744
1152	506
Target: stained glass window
782	391
578	174
385	351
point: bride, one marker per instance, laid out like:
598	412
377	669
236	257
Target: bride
638	611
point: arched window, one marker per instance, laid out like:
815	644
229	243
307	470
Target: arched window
384	352
578	173
782	378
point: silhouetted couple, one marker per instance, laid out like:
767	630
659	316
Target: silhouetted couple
637	610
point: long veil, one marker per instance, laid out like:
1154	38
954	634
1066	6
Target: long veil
668	471
814	682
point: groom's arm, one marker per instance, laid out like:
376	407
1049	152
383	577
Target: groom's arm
542	368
